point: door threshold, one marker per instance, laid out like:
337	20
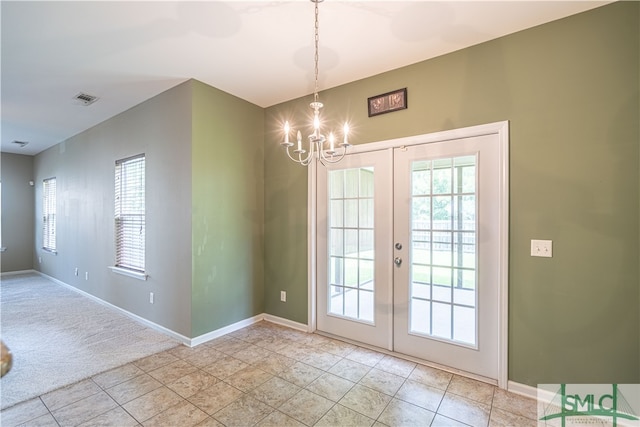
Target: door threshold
411	358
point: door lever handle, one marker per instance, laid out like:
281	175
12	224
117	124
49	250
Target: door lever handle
397	261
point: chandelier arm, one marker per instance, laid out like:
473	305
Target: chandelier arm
307	160
311	152
334	159
290	156
299	159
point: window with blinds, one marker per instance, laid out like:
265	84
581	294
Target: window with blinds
49	214
130	213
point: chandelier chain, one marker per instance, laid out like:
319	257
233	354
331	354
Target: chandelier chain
323	149
316	39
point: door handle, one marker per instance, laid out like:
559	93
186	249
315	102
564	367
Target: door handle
397	261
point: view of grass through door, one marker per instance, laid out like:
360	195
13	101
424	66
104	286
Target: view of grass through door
443	257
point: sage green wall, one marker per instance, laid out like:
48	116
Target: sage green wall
285	253
570	91
84	169
227	209
16	171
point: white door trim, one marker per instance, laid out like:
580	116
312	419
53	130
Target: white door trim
499	128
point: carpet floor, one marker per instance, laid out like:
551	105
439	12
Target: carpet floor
58	337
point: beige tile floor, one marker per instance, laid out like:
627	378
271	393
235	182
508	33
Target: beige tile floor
268	375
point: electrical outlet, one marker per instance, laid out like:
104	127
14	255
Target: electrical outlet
541	248
86	275
283	296
40	260
76	273
150	297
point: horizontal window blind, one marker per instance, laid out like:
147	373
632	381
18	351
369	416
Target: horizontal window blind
130	213
49	214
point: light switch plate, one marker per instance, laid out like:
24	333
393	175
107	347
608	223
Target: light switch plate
542	248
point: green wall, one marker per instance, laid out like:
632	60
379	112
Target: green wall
227	209
570	92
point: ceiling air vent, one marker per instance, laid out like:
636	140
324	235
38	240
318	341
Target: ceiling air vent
21	144
85	99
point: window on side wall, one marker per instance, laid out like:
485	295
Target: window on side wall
130	215
49	215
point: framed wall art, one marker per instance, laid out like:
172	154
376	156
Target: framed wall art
387	102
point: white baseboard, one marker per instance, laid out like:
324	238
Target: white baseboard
224	330
244	323
15	273
523	389
190	342
142	320
286	322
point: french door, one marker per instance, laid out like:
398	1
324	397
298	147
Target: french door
353	206
410	251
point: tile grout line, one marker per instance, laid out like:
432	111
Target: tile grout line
249	340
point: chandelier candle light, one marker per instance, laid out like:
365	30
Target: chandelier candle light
317	140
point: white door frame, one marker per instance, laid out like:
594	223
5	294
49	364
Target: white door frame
501	129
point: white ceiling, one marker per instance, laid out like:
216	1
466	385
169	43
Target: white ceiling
261	51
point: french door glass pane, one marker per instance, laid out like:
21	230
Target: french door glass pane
464	212
351	213
351	303
441	172
337	242
366	213
443	297
366	182
337	209
421	183
351	182
465	177
366	274
441	324
351	244
365	244
351	272
420	316
336	271
336	187
421	212
336	296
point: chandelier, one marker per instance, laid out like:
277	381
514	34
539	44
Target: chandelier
321	148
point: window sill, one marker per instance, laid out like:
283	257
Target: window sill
130	273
